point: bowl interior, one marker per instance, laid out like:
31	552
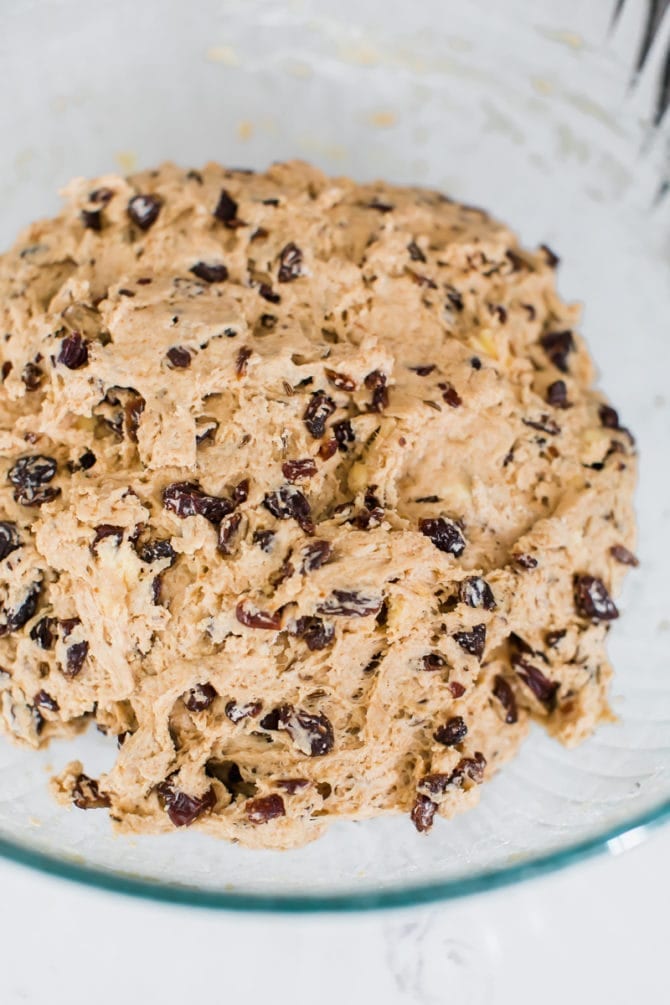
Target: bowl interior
499	105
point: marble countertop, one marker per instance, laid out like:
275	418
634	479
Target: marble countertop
595	933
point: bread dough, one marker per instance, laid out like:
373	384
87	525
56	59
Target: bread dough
307	499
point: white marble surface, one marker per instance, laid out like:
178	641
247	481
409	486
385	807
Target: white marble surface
594	934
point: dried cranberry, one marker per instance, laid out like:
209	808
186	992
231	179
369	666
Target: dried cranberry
432	662
43	634
179	357
592	599
376	382
143	210
105	530
264	539
9	539
472	642
187	499
543	688
444	534
452	732
340	380
32	376
312	734
44	700
318	410
181	808
16	617
545	424
287	503
210	272
344	434
199	697
423	813
253	617
91	218
415	252
317	633
295	470
290	263
265	808
249	709
86	794
314	555
557	394
74	658
351	603
618	552
227	531
505	695
476	592
157	550
558	346
226	208
450	394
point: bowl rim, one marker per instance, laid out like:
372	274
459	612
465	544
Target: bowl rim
612	840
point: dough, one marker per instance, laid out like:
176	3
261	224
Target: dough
308	502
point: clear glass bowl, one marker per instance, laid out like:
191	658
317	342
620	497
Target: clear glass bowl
513	106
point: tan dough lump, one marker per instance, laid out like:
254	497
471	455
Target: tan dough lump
308	502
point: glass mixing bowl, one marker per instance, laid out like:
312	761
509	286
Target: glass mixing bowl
532	113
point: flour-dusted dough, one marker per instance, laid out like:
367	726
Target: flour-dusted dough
307	497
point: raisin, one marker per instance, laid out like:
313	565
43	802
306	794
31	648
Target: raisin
226	208
381	207
266	291
74	658
249	709
143	210
314	555
543	688
450	394
545	424
287	503
472	642
558	346
30	475
592	599
609	417
86	794
200	697
265	808
340	380
16	617
187	499
91	218
420	280
181	808
157	550
456	688
550	256
557	394
452	732
315	632
318	410
295	470
476	363
344	434
87	460
525	561
264	539
328	448
423	813
253	617
210	272
415	252
505	695
9	539
476	592
312	734
376	382
553	638
179	357
423	371
468	768
455	299
132	411
43	634
444	534
290	263
32	376
618	552
73	351
102	195
227	530
351	603
241	360
44	700
292	785
432	662
368	518
105	530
